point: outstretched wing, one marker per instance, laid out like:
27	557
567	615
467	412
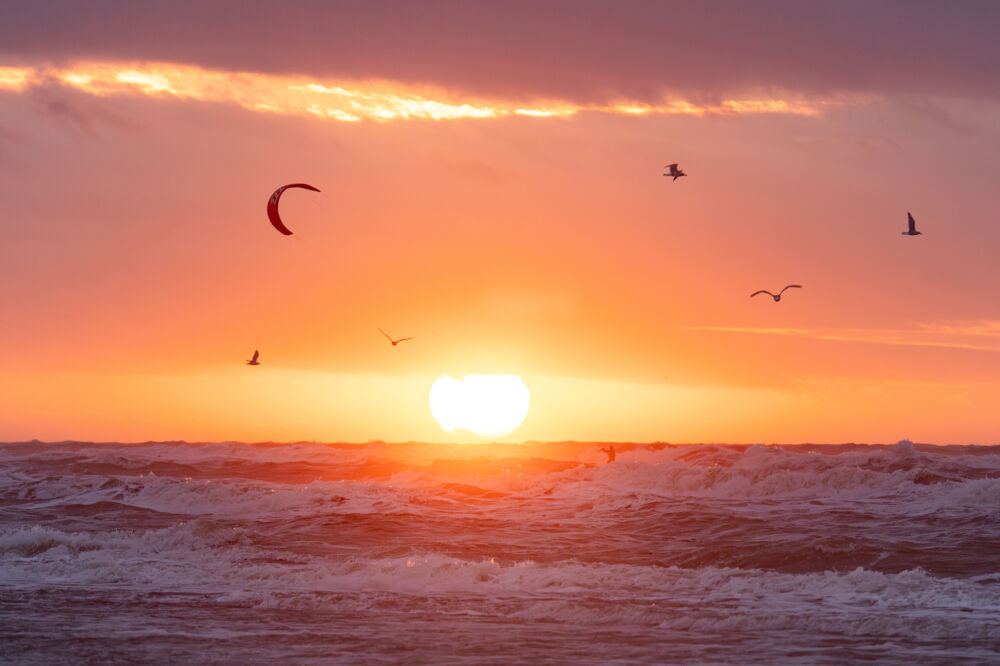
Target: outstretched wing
385	334
255	355
762	291
912	222
791	286
403	339
673	169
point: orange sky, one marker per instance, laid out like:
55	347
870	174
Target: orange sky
526	232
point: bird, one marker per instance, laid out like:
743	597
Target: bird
776	297
674	171
912	231
254	360
394	342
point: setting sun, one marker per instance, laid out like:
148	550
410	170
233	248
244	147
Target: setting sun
487	405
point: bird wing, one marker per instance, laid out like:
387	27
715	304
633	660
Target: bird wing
762	291
255	355
385	334
402	339
912	222
791	286
673	169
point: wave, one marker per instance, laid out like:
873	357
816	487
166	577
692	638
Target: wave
161	477
700	553
223	565
188	452
194	497
786	509
773	471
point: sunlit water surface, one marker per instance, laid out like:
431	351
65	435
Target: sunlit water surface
536	553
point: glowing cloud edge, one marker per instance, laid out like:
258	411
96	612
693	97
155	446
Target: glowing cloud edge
374	100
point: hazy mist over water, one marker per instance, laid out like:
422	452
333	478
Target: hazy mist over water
533	553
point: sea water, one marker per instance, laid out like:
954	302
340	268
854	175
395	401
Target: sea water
497	554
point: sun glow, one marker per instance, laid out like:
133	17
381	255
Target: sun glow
487	405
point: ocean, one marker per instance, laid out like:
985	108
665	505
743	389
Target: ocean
536	553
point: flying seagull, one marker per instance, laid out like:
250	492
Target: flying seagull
674	171
776	297
394	342
254	360
912	231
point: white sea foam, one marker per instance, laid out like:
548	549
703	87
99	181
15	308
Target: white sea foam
892	549
914	481
222	563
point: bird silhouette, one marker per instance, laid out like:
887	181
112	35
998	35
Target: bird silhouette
912	231
254	360
776	297
674	171
394	342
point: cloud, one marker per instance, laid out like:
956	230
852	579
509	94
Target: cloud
986	328
345	101
583	51
15	78
949	336
82	113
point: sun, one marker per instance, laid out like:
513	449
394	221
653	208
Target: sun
487	405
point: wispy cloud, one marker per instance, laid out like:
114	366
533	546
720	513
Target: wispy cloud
925	335
985	328
15	78
84	114
379	101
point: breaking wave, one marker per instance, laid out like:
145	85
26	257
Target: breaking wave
891	550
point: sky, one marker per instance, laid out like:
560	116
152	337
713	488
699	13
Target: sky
490	179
